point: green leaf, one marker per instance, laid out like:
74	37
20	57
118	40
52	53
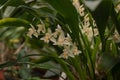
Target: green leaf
24	72
13	3
47	65
2	2
116	18
39	12
7	64
37	78
11	63
13	22
107	62
116	71
42	59
101	15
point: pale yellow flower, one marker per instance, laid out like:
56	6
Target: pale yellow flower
88	32
86	21
58	31
95	31
81	10
86	18
41	28
66	53
60	40
47	36
76	4
32	31
36	34
117	8
75	50
68	40
58	37
94	24
87	29
53	39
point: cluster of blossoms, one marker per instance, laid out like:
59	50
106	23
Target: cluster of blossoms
57	37
89	31
88	24
80	8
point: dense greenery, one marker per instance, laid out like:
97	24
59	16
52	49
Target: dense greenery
60	36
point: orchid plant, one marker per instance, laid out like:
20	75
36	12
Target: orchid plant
85	43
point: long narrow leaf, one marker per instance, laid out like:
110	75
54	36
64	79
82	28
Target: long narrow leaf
13	22
101	15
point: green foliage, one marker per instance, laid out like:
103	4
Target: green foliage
13	22
98	54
